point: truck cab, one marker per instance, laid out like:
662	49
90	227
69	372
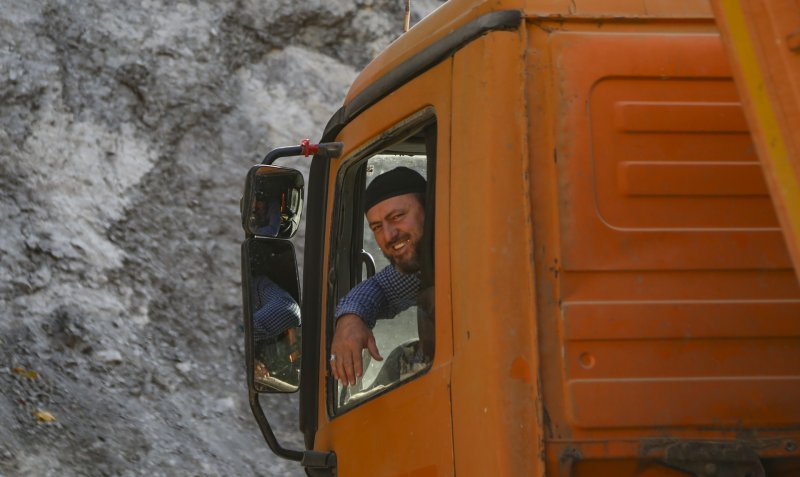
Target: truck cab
605	286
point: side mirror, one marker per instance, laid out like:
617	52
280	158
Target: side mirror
271	293
272	201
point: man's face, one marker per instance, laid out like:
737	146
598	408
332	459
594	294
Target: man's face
397	223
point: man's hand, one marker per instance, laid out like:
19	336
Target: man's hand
350	337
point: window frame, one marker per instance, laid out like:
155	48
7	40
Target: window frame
348	227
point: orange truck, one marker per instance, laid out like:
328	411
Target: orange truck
605	286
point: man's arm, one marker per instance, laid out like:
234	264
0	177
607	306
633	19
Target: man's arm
275	309
381	296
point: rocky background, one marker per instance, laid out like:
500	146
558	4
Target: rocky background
126	129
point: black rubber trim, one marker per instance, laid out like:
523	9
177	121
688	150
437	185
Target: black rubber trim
313	275
425	60
335	124
316	204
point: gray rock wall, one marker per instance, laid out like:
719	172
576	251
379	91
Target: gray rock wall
126	129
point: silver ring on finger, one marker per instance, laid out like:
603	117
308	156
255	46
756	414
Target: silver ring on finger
333	357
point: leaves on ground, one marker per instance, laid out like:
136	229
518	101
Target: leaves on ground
43	416
25	373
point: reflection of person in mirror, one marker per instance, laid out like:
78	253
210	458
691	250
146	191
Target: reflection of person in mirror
268	215
395	211
275	309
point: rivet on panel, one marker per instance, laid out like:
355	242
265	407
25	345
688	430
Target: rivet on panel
586	360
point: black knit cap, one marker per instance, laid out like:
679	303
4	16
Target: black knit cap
398	181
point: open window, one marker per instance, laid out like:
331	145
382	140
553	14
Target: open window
405	330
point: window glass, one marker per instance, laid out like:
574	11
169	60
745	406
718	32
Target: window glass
404	331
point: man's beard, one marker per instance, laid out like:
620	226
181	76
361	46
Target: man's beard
412	265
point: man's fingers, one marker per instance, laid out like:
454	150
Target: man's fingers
372	347
332	360
347	373
343	367
338	366
357	365
334	369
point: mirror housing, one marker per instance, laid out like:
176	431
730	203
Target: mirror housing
271	294
266	256
272	202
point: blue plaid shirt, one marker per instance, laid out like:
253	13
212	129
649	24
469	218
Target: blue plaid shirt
381	296
276	310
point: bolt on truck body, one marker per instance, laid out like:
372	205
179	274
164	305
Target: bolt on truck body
605	286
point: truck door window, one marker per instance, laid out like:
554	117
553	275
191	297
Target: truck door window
404	322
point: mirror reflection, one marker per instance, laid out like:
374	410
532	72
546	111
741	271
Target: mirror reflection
276	331
274	201
275	315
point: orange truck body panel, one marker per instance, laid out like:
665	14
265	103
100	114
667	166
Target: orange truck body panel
611	276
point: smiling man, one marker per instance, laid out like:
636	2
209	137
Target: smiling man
395	210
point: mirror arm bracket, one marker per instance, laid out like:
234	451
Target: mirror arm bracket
318	464
266	431
319	461
327	150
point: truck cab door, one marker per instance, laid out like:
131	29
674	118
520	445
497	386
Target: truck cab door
396	420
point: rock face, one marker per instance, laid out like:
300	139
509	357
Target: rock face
126	131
